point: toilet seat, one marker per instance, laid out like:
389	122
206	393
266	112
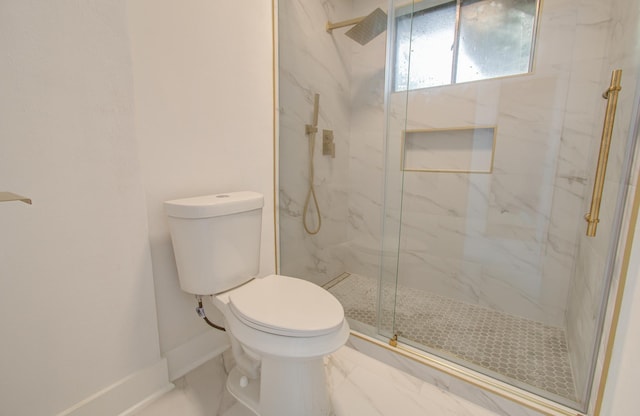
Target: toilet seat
286	306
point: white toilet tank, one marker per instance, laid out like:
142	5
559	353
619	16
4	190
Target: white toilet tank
216	240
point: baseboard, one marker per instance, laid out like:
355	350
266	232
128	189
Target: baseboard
195	352
155	396
125	394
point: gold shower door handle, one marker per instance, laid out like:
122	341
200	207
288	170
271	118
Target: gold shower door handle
611	95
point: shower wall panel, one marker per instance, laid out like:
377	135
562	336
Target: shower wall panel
366	156
350	79
312	61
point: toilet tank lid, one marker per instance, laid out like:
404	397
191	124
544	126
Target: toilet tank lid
214	205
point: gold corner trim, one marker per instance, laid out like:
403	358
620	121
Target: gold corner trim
274	86
622	282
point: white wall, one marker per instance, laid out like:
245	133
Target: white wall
77	312
98	155
203	103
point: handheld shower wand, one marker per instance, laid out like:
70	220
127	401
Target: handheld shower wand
311	130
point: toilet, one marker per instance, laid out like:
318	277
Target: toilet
280	328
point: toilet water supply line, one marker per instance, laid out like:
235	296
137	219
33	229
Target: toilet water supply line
311	130
202	314
248	366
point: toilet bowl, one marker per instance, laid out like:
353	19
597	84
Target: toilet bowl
291	325
280	327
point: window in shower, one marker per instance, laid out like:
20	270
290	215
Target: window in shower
443	43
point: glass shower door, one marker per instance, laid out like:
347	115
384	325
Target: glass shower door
487	183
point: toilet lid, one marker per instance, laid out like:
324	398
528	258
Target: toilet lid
286	306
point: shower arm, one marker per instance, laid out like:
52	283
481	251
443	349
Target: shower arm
344	23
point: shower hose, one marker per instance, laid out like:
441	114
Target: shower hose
311	130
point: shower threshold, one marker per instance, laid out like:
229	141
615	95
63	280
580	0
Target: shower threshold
519	349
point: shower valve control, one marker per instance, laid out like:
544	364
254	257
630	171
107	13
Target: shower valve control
328	146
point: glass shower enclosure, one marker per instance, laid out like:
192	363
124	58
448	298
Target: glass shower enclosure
443	154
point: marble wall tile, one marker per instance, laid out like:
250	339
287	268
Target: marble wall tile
366	158
423	270
529	295
312	61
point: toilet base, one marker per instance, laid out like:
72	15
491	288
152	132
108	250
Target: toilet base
248	396
238	409
289	387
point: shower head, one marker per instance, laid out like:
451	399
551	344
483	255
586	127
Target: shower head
370	27
364	28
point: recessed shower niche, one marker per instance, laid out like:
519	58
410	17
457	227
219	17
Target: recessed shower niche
452	215
462	149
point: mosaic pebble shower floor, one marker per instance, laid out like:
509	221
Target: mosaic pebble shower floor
519	349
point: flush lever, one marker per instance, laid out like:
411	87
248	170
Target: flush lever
10	196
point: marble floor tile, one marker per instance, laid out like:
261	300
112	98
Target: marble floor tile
359	386
362	386
201	392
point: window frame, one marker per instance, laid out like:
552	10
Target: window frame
416	7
